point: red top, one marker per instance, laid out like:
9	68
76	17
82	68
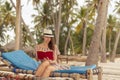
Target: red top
42	55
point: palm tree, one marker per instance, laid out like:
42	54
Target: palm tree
50	15
85	15
82	16
117	35
26	27
117	7
111	25
7	19
42	20
94	6
57	22
95	43
103	43
67	22
52	12
115	44
103	38
18	25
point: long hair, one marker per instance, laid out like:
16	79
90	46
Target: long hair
51	44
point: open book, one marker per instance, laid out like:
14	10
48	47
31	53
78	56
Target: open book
41	55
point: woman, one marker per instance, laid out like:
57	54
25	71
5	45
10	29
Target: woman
47	47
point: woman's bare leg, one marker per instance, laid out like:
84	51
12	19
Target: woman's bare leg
42	68
48	70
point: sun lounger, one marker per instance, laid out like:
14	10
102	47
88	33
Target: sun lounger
19	62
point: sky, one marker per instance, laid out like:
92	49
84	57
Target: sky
27	11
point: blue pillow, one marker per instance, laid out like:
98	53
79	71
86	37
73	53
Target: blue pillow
21	60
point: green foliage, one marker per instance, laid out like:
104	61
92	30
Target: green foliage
71	19
118	48
110	34
89	36
77	39
7	19
117	9
62	41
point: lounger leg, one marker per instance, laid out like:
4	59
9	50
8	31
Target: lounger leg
89	74
100	74
75	76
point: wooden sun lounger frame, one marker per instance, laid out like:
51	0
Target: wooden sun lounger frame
66	58
75	76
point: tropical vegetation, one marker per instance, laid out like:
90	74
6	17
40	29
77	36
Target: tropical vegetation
86	30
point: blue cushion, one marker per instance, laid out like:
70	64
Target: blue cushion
77	69
21	60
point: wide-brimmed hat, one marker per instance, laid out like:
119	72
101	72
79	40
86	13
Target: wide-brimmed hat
48	33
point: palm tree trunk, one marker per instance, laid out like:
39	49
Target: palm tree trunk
18	24
85	34
73	51
103	50
66	43
58	24
115	47
84	38
110	43
96	38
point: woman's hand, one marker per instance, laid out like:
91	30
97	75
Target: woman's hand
52	62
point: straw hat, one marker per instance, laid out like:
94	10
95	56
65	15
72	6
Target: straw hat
48	33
